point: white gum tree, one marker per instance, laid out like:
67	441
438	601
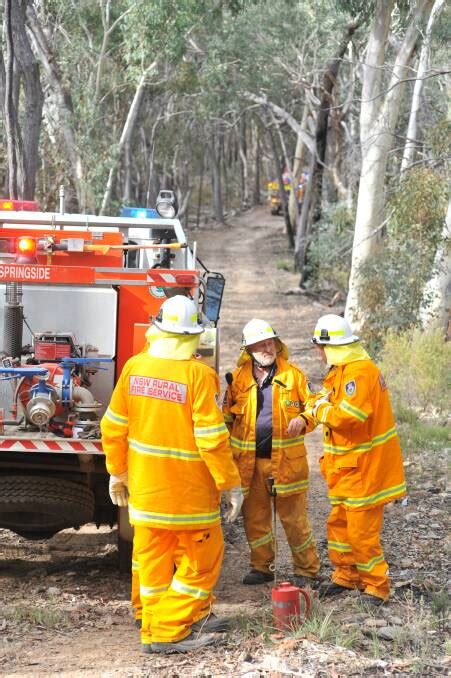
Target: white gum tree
378	117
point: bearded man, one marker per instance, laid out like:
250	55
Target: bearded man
263	409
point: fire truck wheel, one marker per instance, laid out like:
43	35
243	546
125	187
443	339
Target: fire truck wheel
37	508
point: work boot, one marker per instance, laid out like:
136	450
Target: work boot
372	600
330	588
146	648
257	577
210	624
188	644
302	581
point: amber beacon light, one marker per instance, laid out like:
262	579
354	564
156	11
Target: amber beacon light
26	251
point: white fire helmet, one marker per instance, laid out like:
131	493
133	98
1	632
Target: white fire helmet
333	330
179	316
257	330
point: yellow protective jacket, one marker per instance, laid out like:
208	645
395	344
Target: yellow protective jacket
164	426
290	396
362	460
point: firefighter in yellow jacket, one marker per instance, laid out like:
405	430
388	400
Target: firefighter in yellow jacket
263	406
362	461
167	451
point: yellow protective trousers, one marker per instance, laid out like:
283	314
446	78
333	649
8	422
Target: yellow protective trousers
292	512
353	539
172	602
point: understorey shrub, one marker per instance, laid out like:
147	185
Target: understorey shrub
415	365
329	250
392	281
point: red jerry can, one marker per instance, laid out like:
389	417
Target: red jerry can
286	606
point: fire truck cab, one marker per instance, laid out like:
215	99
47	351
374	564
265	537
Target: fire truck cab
79	292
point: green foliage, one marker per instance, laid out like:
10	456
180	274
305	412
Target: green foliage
441	603
416	366
329	252
439	139
392	281
421	436
258	623
283	265
325	626
37	616
418	209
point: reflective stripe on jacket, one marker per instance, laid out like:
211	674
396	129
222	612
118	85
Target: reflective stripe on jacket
164	425
362	460
290	395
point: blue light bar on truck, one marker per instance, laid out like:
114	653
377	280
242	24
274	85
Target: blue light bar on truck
140	213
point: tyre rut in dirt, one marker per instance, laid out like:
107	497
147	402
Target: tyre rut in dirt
38	507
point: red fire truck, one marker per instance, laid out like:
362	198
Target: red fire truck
78	294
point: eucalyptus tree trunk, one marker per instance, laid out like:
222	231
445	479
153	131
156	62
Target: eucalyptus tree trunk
127	165
283	193
152	179
312	203
215	167
378	117
298	164
127	133
23	100
108	28
434	311
329	80
304	223
423	63
242	149
61	99
11	123
257	159
33	101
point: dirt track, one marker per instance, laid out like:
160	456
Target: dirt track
66	609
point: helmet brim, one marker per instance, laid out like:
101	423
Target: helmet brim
177	330
350	340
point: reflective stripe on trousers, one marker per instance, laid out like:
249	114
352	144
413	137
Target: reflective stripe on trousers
355	549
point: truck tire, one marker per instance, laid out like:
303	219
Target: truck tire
38	507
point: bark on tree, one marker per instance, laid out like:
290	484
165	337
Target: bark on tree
127	133
328	85
283	116
303	227
215	167
10	110
62	127
434	312
152	180
199	197
33	100
423	63
105	9
242	149
21	87
298	164
312	206
257	156
378	117
282	191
